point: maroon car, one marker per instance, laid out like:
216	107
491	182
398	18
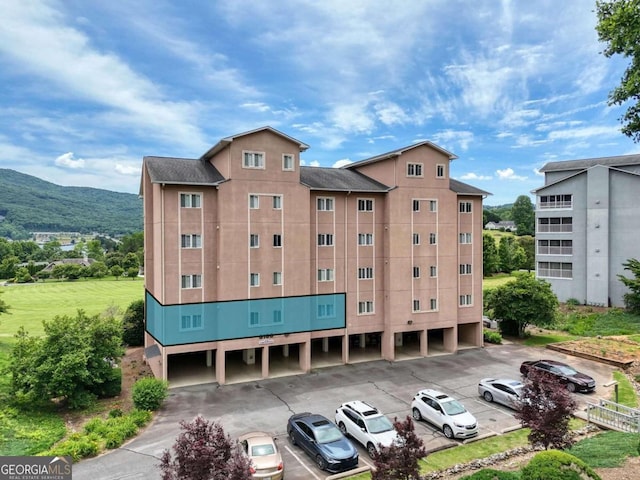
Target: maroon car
574	380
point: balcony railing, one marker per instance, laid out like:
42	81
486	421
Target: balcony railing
555	250
545	228
555	273
557	204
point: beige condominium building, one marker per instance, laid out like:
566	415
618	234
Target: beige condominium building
257	266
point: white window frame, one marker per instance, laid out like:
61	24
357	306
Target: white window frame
326	310
365	307
365	273
465	207
254	319
365	239
433	238
416	305
415	205
254	279
325	239
190	323
465	269
325	275
286	157
440	170
416	239
416	272
254	202
415	169
277	202
433	304
466	300
191	240
465	238
555	270
190	200
191	281
325	204
365	204
277	240
433	271
254	160
277	278
254	240
433	205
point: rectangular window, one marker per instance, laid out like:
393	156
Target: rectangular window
277	316
325	204
191	241
287	161
414	169
433	205
254	319
365	239
325	239
416	272
416	205
191	322
365	205
416	239
555	201
465	300
191	281
555	225
433	271
254	279
277	278
254	201
277	202
433	239
190	200
326	310
253	160
416	305
465	238
440	171
466	207
555	269
465	269
325	275
433	304
277	240
365	273
254	240
555	247
365	307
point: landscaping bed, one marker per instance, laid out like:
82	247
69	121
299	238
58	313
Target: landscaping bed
618	351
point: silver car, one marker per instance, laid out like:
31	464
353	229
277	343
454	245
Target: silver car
501	390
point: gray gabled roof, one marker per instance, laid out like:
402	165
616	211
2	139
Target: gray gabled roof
465	189
618	161
227	140
397	153
182	171
337	179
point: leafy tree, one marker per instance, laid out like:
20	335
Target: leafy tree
112	259
490	260
528	245
400	459
23	275
132	272
511	255
72	361
53	250
117	271
523	215
132	243
521	302
130	261
632	298
95	250
546	407
70	271
203	451
97	270
619	27
4	308
6	248
8	266
133	324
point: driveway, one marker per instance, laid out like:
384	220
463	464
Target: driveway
267	404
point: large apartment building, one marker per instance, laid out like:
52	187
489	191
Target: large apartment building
587	224
254	261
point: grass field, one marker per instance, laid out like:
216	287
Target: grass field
489	283
30	304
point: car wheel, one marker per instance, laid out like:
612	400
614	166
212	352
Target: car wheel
342	428
487	396
416	415
571	387
321	462
448	432
292	437
371	449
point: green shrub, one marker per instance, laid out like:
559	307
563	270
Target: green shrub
77	446
557	465
120	429
149	393
112	385
115	413
490	474
573	302
606	450
492	337
140	417
97	426
133	324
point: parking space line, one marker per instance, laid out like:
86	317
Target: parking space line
302	463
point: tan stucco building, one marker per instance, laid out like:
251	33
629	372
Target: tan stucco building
254	262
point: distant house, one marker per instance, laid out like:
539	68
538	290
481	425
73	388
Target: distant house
501	225
84	262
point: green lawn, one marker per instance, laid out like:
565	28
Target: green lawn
497	280
30	304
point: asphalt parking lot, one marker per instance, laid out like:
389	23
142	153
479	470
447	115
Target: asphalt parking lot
266	405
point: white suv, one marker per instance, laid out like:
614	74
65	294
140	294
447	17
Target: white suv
444	412
365	424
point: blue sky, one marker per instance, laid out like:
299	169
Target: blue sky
90	87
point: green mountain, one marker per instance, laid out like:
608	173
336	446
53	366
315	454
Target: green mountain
29	204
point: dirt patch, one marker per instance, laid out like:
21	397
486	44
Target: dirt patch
618	351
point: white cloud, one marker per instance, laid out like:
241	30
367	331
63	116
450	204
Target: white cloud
538	172
341	163
474	176
390	113
68	160
508	174
352	118
586	132
312	163
127	169
462	138
256	106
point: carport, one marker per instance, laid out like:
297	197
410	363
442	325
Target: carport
469	335
407	344
191	368
243	365
284	360
326	351
364	347
440	341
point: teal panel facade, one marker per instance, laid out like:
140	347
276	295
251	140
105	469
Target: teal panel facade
213	321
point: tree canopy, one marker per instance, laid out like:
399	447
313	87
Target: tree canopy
400	460
632	298
523	215
619	28
522	302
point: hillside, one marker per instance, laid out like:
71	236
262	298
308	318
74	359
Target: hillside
29	204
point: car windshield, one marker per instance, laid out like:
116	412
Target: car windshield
261	450
518	391
379	424
453	407
566	370
327	434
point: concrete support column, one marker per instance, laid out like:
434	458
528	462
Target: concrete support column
345	349
221	366
397	339
209	358
450	339
285	351
387	349
265	362
165	364
362	340
424	345
249	356
325	344
305	356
